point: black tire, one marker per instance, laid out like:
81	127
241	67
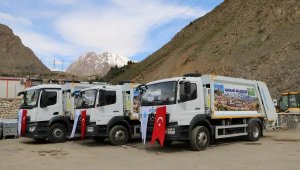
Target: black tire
168	142
200	138
98	139
254	131
118	135
57	133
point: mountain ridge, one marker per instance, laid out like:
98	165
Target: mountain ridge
17	59
252	39
91	63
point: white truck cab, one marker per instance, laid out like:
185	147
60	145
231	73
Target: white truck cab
201	108
50	110
112	111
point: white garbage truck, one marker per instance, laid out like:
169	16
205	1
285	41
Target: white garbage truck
49	111
112	111
202	108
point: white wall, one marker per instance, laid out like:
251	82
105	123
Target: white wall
14	87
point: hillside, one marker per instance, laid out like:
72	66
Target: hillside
96	64
240	38
16	59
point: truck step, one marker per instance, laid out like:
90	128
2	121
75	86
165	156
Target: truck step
231	135
234	134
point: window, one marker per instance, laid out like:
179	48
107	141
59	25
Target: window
189	96
284	103
163	93
293	101
107	97
52	98
30	99
86	99
110	97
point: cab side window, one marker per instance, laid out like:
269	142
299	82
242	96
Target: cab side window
52	98
110	97
189	96
107	98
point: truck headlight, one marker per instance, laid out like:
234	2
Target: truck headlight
90	129
32	128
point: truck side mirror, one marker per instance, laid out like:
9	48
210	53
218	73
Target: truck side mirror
187	87
275	102
101	101
44	99
20	93
142	88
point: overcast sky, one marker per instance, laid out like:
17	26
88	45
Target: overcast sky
65	29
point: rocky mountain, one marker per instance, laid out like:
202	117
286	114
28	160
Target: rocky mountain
255	39
16	59
96	64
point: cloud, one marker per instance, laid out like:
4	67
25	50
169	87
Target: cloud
122	28
62	2
11	19
44	45
66	29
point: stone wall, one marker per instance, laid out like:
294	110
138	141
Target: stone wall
9	108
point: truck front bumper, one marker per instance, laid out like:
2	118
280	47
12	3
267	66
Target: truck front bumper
37	130
93	130
173	132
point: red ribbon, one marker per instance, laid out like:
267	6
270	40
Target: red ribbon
23	123
159	126
83	124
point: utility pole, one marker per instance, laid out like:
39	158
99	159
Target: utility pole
54	64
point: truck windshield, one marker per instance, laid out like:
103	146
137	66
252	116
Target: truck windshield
160	94
86	99
30	99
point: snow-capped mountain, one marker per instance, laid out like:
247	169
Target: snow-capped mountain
96	64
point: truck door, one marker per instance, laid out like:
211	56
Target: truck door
52	107
110	102
190	101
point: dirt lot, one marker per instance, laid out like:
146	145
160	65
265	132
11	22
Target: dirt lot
277	150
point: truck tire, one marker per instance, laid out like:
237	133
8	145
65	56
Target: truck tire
118	135
254	131
200	138
98	139
57	133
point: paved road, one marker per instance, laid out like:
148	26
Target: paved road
277	150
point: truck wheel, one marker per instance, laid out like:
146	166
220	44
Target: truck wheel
200	138
98	139
254	131
118	135
57	133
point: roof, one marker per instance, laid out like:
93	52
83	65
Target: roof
45	86
287	93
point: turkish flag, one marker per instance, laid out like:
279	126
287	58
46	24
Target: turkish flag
159	125
23	123
83	123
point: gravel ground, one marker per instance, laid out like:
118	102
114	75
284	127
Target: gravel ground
277	150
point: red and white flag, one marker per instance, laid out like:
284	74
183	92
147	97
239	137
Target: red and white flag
159	125
22	122
83	124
